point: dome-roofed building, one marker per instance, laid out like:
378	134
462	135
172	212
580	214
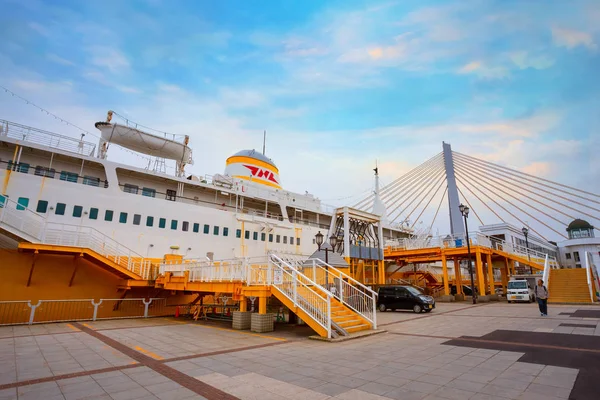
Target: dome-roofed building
579	228
581	241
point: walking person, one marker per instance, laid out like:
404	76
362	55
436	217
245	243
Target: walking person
541	294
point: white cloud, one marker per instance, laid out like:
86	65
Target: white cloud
571	38
39	29
524	60
485	71
59	60
109	58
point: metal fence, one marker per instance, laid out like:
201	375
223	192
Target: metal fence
27	313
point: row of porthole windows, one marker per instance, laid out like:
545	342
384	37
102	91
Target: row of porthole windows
109	215
60	209
263	237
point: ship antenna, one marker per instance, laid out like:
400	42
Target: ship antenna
264	141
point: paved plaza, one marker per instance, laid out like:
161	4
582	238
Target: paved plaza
459	351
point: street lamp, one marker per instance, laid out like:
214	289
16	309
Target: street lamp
333	242
464	210
525	233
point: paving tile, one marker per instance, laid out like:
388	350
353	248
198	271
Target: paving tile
405	394
548	390
330	389
357	394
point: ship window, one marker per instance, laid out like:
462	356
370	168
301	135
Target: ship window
263	236
77	210
185	226
254	235
91	181
43	171
270	237
162	222
149	221
42	206
568	256
60	209
68	176
2	200
278	239
93	213
297	241
215	230
148	192
128	188
576	256
285	240
196	227
108	215
291	240
174	224
137	219
23	167
171	195
123	218
22	203
247	235
225	231
238	233
206	229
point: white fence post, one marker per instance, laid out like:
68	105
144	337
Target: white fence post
374	311
96	309
33	308
146	307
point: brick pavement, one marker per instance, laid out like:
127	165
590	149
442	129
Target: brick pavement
166	359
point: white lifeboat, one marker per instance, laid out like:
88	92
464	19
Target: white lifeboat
145	143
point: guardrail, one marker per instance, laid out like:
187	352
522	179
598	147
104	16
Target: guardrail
45	138
475	238
27	313
22	221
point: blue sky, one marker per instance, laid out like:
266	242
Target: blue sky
337	84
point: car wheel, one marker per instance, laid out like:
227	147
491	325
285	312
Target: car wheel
427	311
417	308
508	301
382	307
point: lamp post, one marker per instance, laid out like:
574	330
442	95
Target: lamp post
464	210
525	233
332	242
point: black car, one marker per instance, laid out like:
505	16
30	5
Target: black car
404	297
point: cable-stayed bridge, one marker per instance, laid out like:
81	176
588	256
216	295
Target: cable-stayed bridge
498	197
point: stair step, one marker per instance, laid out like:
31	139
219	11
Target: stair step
357	328
350	323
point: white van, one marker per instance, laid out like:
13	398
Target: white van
519	290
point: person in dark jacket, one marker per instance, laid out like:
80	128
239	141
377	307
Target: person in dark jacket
541	294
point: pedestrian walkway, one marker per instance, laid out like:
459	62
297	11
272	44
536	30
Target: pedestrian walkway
459	351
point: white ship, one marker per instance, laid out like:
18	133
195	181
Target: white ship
243	212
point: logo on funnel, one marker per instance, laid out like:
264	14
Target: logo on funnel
261	173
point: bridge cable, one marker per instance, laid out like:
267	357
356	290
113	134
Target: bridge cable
411	188
430	184
517	173
478	198
438	208
470	206
394	186
426	205
524	212
512	180
432	177
483	177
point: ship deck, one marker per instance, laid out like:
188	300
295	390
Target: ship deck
459	351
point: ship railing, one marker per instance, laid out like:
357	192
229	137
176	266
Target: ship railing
51	173
19	220
233	270
45	138
90	238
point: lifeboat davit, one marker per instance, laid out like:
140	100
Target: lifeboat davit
145	143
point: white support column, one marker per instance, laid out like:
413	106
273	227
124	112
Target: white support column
346	233
456	222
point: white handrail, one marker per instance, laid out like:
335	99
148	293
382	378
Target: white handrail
590	280
546	274
311	302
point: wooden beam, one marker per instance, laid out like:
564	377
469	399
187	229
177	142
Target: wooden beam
33	259
75	266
